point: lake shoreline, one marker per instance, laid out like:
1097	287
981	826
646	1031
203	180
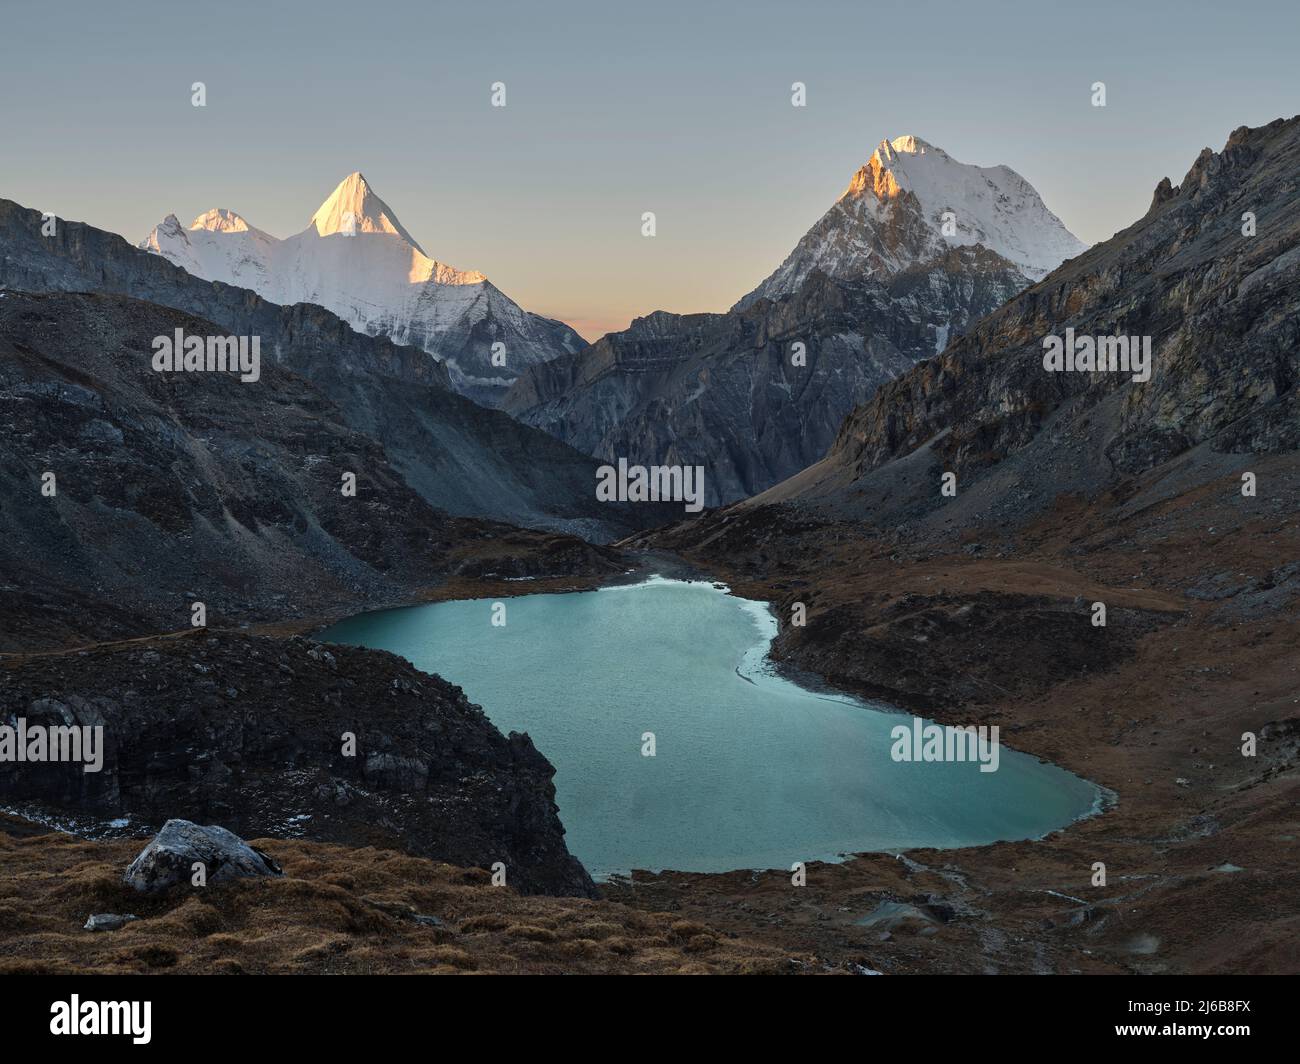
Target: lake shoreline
580	677
1157	723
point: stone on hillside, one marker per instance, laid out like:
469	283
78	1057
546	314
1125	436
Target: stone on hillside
108	921
170	858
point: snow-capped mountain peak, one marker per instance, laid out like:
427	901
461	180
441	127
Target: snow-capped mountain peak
909	204
220	220
358	261
169	233
989	205
911	144
883	170
354	208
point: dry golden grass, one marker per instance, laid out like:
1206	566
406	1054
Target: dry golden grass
338	910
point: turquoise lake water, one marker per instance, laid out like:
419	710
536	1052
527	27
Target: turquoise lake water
750	770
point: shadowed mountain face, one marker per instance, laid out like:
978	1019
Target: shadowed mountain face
460	457
1221	308
918	248
726	391
175	488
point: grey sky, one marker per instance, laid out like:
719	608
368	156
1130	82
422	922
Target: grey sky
613	109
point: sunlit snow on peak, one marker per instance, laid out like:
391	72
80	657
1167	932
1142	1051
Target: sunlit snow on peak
219	220
354	208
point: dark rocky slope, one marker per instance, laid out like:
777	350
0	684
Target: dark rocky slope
459	456
248	733
175	488
722	391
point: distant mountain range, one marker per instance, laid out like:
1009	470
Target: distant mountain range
918	248
358	261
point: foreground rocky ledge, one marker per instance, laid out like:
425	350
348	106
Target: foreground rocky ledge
249	733
336	910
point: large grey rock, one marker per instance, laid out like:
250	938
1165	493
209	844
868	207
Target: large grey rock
170	858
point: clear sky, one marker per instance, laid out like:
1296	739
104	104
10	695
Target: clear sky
681	107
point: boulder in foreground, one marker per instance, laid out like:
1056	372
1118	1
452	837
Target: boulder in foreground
108	921
169	860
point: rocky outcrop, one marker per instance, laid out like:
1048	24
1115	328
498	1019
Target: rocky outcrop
108	921
182	850
289	739
458	456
